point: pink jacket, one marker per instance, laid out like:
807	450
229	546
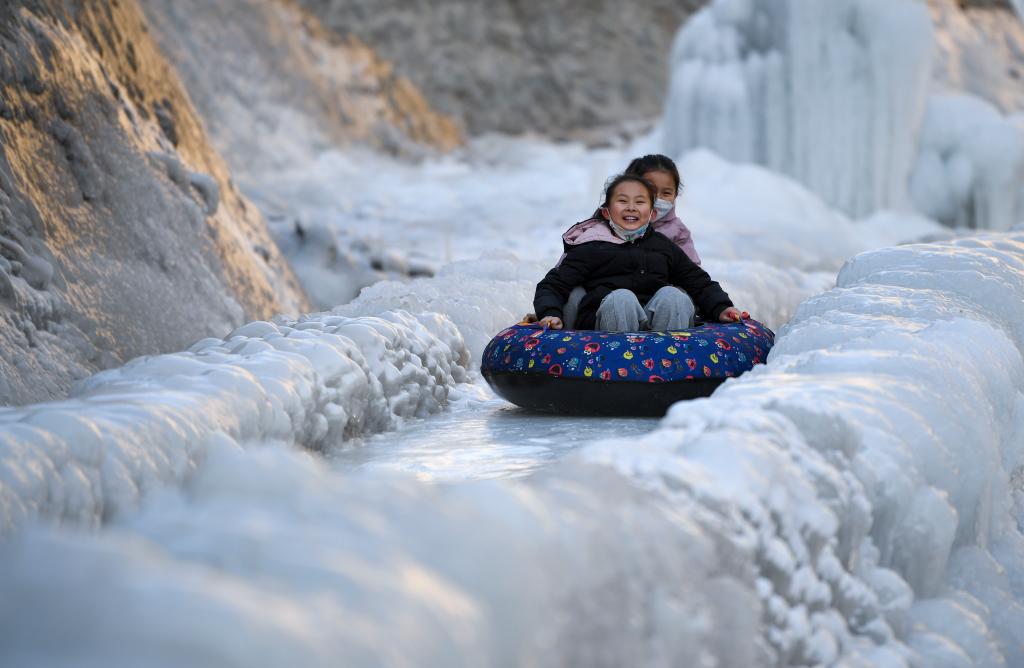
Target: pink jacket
596	229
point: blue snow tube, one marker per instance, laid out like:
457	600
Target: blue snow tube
619	373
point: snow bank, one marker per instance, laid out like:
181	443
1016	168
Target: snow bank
396	220
481	297
311	382
970	165
770	241
830	93
741	211
321	569
868	466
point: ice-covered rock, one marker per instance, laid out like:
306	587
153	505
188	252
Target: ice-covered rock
868	465
979	51
121	232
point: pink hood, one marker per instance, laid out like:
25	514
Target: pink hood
596	229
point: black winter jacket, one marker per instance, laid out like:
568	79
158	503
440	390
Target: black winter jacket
643	266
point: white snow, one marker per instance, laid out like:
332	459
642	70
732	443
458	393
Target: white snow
500	195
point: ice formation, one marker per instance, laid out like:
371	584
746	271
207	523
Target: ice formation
831	93
970	165
311	382
851	502
869	464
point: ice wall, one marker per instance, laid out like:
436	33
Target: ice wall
129	431
831	93
970	165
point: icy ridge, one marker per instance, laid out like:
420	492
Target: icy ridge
312	382
867	468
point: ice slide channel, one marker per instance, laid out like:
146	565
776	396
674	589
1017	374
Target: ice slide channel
851	500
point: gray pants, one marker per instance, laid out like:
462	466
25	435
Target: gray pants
572	307
669	308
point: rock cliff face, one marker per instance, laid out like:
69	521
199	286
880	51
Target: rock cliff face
121	232
275	88
980	51
560	68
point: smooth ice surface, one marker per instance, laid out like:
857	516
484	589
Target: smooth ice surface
482	437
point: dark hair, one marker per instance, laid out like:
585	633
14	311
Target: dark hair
656	162
616	181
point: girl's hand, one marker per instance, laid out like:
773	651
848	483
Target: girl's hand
731	314
528	319
550	322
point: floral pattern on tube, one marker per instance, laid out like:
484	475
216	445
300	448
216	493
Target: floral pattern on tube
708	351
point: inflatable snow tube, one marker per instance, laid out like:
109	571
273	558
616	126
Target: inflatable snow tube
619	373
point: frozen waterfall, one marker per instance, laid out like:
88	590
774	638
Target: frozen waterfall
829	93
970	165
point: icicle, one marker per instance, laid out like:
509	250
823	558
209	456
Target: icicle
829	93
970	165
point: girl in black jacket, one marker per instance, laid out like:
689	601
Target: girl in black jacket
634	285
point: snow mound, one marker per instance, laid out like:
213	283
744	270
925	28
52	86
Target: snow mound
481	297
312	382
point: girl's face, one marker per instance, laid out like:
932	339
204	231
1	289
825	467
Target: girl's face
665	184
629	206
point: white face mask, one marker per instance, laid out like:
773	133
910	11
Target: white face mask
663	206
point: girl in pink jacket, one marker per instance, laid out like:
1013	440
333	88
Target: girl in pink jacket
663	173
